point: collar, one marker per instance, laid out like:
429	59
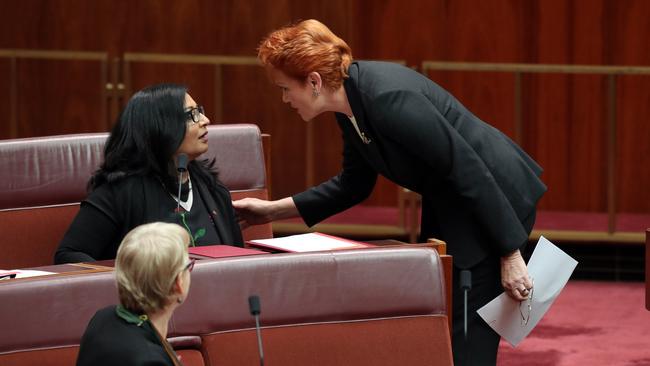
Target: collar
130	317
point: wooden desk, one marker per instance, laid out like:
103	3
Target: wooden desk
60	270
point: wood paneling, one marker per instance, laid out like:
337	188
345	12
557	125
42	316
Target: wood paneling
565	120
633	144
59	97
564	117
249	97
7	124
199	80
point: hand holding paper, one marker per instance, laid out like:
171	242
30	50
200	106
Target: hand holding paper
550	268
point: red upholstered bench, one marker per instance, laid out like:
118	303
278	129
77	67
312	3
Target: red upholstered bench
44	179
382	306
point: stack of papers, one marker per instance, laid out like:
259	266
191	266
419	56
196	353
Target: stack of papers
311	242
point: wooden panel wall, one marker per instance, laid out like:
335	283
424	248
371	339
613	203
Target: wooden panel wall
7	125
564	116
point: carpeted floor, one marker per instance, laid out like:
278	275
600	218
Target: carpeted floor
591	324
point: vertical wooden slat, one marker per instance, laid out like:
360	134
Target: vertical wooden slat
611	155
519	128
13	102
266	147
126	77
106	98
218	93
309	155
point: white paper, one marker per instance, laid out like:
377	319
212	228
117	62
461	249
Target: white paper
24	273
550	269
310	242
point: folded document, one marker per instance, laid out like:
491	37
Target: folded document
550	269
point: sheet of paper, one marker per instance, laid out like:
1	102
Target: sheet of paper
550	269
310	242
24	273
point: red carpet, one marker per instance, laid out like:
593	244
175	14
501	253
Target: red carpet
591	324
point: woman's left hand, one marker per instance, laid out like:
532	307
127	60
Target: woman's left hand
514	276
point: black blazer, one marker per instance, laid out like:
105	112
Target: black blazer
113	209
110	340
477	185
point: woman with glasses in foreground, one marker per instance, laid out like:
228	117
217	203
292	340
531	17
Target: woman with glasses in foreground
138	182
152	271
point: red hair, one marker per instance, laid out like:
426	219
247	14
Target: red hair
308	46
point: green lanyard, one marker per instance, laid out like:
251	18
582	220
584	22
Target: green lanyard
139	320
129	317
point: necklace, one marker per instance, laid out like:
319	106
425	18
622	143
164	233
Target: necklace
362	135
187	204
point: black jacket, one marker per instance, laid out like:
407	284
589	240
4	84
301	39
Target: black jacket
110	340
113	209
477	185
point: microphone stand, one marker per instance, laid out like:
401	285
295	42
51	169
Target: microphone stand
465	285
181	166
255	309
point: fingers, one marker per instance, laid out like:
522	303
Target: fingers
518	294
521	291
519	288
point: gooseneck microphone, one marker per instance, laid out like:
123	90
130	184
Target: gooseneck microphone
465	285
254	306
181	167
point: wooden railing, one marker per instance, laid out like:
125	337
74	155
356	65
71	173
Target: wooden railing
14	55
612	72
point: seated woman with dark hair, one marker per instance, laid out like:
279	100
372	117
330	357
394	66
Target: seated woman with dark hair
138	181
152	271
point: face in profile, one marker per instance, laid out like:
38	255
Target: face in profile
298	94
195	142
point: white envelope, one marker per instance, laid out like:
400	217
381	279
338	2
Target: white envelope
550	269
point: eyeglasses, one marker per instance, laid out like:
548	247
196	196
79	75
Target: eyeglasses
194	113
190	266
528	304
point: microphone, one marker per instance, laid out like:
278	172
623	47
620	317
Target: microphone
465	285
181	166
254	306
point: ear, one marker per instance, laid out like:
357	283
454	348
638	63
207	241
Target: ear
177	288
314	80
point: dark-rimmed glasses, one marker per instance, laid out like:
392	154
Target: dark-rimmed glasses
194	113
190	265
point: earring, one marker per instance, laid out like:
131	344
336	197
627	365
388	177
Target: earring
179	300
315	93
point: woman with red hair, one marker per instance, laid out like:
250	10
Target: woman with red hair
479	189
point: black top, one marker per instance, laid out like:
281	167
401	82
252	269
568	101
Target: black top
477	185
113	209
111	340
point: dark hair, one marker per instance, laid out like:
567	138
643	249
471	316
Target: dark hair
147	134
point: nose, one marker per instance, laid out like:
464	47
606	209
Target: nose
204	120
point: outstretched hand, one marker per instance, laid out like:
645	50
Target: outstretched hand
514	276
252	211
